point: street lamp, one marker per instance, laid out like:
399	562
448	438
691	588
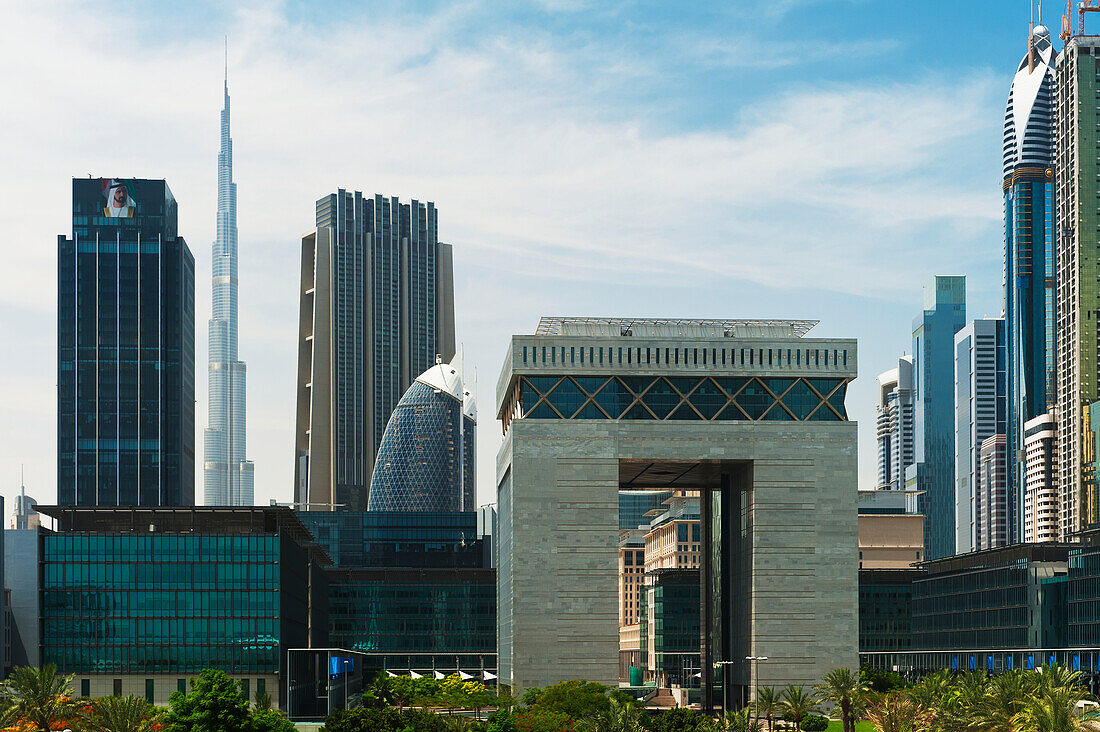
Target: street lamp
755	660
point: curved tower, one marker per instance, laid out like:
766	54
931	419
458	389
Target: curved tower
425	460
1028	187
228	475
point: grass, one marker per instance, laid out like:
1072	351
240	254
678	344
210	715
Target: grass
834	726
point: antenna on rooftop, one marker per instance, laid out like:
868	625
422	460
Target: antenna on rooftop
1031	40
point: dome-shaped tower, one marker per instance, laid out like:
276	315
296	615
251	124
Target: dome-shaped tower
1029	114
425	459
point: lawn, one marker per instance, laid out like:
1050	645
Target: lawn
834	726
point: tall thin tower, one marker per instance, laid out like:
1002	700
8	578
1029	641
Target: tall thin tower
228	475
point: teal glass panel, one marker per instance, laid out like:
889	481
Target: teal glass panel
732	386
542	411
754	399
590	384
566	397
637	412
661	398
684	412
708	399
778	414
823	414
637	384
837	400
778	386
528	397
590	411
684	385
614	398
542	384
801	399
731	413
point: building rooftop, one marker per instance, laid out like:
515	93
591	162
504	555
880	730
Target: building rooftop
673	327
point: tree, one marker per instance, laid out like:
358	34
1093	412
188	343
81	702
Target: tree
769	703
541	719
899	712
679	719
270	720
215	703
574	698
120	714
620	716
1056	710
1004	698
881	682
845	690
798	703
386	719
40	696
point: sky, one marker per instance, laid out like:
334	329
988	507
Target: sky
815	159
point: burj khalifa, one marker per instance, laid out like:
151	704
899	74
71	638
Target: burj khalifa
228	476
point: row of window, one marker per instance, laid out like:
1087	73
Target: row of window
162	658
695	356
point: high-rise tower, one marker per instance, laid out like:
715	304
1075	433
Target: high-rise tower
228	475
1077	174
1029	296
125	349
376	310
894	427
933	469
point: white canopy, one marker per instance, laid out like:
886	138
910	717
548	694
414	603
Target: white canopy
438	675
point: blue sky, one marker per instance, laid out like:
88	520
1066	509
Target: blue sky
752	159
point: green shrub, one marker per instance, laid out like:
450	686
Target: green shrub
815	723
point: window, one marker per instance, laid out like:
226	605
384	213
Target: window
117	690
85	688
181	686
150	688
244	689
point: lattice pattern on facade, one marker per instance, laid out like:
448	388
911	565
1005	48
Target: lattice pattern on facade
683	398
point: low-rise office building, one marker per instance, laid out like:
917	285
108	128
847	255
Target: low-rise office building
669	628
134	601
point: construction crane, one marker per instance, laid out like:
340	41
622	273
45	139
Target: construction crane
1085	6
1067	31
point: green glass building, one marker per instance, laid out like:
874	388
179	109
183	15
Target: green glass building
136	601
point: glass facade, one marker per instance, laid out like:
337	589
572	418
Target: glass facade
634	505
1083	596
670	626
683	398
126	349
380	539
1030	315
154	603
422	462
885	609
933	394
992	599
417	613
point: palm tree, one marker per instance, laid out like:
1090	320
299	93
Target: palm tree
798	702
899	712
843	689
120	714
768	702
1058	710
619	716
934	692
40	696
1005	697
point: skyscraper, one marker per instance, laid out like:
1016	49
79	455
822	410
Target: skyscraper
1029	296
228	476
1078	278
377	308
894	426
933	470
125	349
980	413
425	461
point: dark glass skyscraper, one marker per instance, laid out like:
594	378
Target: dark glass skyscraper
1029	297
377	308
125	349
933	471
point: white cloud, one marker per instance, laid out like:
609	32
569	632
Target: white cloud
541	175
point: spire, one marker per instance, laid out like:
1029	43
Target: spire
226	75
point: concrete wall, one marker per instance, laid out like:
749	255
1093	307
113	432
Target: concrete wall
164	685
559	590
